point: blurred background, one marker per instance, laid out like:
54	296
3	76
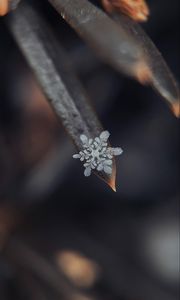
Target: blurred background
63	236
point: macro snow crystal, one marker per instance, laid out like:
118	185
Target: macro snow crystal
96	154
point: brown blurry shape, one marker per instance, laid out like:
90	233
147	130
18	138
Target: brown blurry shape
82	271
4	5
22	256
7	5
9	219
176	108
143	72
136	9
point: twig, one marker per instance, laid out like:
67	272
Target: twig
118	271
24	258
62	88
110	41
123	45
161	79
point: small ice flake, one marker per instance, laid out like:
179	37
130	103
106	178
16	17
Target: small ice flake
97	139
108	162
100	167
117	151
107	169
104	136
87	172
96	154
76	156
86	165
83	138
90	141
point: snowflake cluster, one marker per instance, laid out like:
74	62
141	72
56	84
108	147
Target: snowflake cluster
96	154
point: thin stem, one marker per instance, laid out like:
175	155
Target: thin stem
61	87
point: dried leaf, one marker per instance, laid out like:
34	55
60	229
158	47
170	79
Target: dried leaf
137	10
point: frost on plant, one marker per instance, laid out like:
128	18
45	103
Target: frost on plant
96	154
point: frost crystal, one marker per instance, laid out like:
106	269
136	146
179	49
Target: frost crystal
96	154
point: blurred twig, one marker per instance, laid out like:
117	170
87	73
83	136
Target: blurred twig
110	41
24	258
122	44
161	79
118	271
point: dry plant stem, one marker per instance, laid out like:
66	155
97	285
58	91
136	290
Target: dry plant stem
7	5
62	88
122	44
159	74
106	37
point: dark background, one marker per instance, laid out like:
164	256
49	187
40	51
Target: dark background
48	207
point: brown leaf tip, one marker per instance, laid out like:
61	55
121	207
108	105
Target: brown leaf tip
4	6
176	108
142	72
137	10
113	186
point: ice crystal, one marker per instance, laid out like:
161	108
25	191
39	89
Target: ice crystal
96	154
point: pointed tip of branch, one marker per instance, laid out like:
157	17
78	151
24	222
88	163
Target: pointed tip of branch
113	186
167	88
142	72
176	108
112	180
